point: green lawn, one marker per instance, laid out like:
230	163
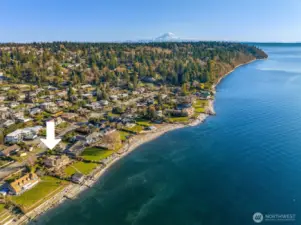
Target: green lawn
199	110
2	209
178	119
96	154
145	123
62	125
124	135
82	167
200	103
136	129
39	193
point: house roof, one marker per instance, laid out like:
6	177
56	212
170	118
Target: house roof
77	176
18	184
10	149
15	133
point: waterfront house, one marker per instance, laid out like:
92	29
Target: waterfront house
94	137
56	161
78	178
76	149
203	94
186	108
23	184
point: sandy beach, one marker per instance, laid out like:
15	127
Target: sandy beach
73	190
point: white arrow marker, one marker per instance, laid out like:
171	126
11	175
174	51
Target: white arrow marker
50	140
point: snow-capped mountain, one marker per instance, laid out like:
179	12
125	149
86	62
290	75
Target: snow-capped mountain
167	37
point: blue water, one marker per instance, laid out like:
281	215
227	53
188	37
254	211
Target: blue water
246	159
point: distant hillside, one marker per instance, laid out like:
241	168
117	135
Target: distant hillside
124	65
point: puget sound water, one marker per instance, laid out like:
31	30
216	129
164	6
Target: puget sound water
244	160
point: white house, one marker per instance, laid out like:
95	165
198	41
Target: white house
19	135
14	137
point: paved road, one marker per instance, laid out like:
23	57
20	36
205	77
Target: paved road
11	168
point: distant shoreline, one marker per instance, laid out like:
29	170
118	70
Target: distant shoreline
73	190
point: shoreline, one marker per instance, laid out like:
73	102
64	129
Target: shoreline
73	190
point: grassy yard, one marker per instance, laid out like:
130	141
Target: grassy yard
96	154
124	135
136	129
199	110
200	105
178	119
62	125
2	209
39	193
82	167
143	122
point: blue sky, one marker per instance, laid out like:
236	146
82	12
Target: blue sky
117	20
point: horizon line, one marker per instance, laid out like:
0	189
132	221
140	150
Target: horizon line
180	40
